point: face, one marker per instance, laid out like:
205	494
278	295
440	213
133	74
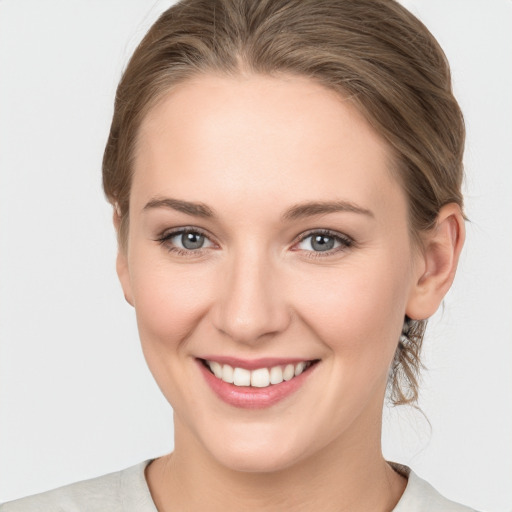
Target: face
267	237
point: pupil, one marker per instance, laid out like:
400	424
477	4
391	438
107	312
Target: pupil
192	240
322	243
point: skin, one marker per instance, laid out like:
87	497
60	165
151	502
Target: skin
250	148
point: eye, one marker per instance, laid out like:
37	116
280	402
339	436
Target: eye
323	241
185	241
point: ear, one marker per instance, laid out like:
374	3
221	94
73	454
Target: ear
437	263
122	266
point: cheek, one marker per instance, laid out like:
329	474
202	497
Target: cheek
169	299
356	312
357	308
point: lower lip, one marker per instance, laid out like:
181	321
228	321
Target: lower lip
248	397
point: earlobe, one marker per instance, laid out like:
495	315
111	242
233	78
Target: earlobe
440	256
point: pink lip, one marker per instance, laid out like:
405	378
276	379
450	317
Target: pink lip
248	397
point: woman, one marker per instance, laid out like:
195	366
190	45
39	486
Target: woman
285	178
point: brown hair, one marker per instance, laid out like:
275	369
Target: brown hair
373	51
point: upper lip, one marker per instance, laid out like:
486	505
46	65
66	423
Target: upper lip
254	364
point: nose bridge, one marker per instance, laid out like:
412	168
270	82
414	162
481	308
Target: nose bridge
250	304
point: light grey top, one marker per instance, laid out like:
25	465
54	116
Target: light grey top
127	491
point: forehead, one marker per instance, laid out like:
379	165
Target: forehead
255	136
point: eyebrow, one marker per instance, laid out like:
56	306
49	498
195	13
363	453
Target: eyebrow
190	208
310	209
298	211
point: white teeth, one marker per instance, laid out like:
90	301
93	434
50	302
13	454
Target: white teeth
260	378
276	375
300	368
289	372
227	374
241	377
216	369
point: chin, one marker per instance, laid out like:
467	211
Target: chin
255	461
263	452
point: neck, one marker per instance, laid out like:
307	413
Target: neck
346	475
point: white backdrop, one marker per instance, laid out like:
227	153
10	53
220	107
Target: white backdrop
76	399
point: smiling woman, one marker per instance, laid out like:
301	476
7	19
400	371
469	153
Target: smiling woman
285	177
283	288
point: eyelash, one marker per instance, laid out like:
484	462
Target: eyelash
345	242
164	238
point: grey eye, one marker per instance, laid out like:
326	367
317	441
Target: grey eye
191	240
322	242
318	242
186	242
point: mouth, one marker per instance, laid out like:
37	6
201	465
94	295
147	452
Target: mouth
255	384
259	377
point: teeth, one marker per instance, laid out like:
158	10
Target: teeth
276	375
260	378
241	377
227	374
216	369
289	372
300	368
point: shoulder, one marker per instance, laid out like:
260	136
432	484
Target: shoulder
420	496
121	491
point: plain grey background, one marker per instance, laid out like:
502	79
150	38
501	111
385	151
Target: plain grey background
76	399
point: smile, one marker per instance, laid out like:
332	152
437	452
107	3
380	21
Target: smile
255	384
259	377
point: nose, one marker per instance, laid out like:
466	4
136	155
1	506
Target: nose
251	304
